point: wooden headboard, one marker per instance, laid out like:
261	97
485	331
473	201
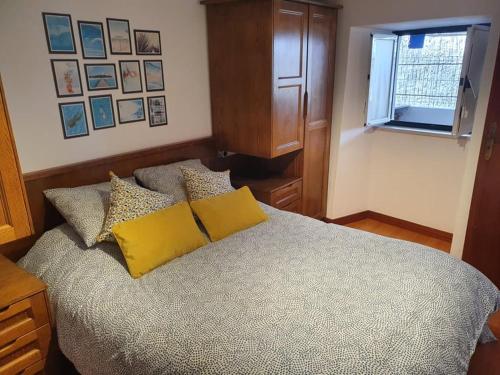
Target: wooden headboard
46	217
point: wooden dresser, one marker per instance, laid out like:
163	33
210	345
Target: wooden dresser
284	193
24	321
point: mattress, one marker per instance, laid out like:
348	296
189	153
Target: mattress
291	295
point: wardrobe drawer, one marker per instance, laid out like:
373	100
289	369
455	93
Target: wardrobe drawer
286	195
22	317
295	206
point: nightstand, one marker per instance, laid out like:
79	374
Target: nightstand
24	321
280	192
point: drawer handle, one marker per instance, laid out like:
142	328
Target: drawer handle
8	346
18	343
16	330
291	197
14	309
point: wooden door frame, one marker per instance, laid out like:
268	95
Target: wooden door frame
482	164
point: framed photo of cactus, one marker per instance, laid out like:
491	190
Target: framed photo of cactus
73	119
147	42
67	78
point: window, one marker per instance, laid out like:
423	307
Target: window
426	79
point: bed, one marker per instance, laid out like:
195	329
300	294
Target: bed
291	295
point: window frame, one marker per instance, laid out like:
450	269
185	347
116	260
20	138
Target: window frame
418	125
425	127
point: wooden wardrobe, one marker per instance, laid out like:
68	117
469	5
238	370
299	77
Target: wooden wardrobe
15	222
271	79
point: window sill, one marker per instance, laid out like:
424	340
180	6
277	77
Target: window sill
432	133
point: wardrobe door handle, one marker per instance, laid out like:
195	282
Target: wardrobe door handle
306	104
490	143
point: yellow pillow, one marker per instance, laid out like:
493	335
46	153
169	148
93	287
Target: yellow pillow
152	240
228	213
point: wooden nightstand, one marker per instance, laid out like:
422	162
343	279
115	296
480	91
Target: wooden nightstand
24	321
284	193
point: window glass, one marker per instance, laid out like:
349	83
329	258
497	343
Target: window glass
428	77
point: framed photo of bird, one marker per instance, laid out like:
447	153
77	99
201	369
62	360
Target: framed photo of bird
102	113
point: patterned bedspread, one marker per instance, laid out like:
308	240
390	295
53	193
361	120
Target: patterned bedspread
292	295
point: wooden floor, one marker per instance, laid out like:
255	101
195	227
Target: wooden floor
374	226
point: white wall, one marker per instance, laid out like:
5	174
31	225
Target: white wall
31	98
423	179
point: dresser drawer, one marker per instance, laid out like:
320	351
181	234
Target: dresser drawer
287	194
36	368
295	206
22	317
19	364
35	341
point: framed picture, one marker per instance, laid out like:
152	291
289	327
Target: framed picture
153	71
130	74
101	109
59	33
73	119
157	110
67	78
119	36
147	42
92	40
101	77
130	110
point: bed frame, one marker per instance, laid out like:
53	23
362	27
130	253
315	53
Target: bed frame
45	216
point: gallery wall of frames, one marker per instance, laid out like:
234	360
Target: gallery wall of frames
139	75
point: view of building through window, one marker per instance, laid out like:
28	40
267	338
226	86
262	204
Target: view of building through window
428	70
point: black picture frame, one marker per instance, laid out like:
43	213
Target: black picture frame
47	36
126	100
138	51
92	111
58	94
110	40
84	54
149	111
121	76
86	67
66	136
146	75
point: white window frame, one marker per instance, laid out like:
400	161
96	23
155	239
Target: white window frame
455	129
390	109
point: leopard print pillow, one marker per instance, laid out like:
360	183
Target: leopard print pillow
201	185
128	202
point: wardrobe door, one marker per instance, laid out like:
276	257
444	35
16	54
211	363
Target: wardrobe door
14	218
289	75
321	55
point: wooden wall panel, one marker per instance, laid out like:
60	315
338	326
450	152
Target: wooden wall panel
14	214
290	62
321	56
45	216
240	56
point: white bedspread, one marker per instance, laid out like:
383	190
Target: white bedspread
292	295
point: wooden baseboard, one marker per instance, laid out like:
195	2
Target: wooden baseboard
348	219
414	227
